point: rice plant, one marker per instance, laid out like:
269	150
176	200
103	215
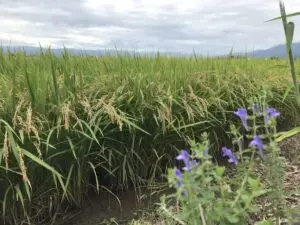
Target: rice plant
70	124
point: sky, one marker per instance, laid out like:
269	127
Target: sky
204	26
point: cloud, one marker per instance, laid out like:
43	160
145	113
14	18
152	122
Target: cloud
208	26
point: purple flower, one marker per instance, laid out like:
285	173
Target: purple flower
179	176
190	165
184	156
227	152
257	142
242	113
271	113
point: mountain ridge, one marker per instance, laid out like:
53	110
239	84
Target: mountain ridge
278	51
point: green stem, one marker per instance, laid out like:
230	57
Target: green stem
289	50
244	180
293	73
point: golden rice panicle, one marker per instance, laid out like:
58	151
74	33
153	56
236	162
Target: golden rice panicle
22	165
6	149
66	115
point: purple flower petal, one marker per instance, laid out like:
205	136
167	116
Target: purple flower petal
226	151
257	142
184	156
231	157
178	173
190	166
242	113
271	113
179	176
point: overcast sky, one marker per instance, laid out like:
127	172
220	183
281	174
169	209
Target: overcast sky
208	26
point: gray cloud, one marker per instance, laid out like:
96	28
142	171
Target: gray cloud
207	26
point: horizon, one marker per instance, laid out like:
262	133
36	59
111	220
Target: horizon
211	27
259	53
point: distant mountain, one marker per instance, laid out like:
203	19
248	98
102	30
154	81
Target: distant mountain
276	51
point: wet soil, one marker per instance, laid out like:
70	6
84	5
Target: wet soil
118	208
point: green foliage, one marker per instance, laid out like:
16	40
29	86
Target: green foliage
287	134
206	195
211	199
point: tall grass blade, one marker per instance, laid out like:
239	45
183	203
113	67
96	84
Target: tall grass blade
281	17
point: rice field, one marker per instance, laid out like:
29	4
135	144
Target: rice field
72	123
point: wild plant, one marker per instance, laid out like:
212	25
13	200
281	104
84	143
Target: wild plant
206	195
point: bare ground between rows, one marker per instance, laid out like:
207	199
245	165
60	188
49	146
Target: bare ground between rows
117	208
290	155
